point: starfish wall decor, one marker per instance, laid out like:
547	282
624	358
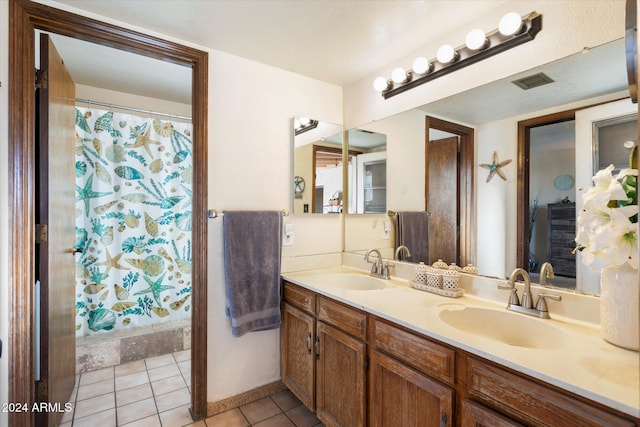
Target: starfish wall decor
494	167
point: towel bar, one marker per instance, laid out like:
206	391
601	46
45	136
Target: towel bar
215	213
394	213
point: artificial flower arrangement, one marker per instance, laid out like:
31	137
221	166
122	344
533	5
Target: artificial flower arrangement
608	222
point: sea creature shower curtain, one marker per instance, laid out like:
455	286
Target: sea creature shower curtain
133	220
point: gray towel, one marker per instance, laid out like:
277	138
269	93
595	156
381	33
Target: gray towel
412	231
252	253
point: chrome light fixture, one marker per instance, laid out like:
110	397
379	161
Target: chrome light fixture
513	30
303	124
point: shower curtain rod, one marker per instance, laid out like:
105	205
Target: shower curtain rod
137	110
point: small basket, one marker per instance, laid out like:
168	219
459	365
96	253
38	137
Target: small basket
470	269
434	279
450	279
420	272
440	264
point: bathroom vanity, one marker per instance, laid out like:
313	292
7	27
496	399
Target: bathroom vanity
363	351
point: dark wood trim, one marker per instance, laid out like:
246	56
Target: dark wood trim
24	18
466	213
244	398
523	214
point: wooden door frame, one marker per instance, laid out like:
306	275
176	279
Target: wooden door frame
524	146
24	18
466	213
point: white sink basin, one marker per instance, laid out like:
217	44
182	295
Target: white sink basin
349	281
510	328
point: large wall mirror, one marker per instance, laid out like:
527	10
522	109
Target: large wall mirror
317	167
493	112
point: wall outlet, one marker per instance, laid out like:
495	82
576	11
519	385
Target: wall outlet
287	235
386	230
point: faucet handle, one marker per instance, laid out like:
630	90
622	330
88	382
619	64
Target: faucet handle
542	303
513	298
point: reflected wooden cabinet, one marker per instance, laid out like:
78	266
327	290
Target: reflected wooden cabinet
561	226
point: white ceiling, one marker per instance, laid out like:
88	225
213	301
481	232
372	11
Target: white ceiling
337	41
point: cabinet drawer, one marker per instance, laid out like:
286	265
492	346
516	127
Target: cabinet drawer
349	320
416	351
299	297
530	402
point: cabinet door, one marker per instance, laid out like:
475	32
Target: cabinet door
476	415
403	397
340	382
297	364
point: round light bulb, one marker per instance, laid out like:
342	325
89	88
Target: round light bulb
476	39
421	65
510	24
380	84
304	121
446	54
296	123
398	75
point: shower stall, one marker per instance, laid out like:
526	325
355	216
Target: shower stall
133	236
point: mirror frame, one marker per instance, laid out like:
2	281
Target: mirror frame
24	18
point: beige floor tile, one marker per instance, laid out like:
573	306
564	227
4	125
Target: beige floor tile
65	424
176	417
185	366
168	384
302	417
95	376
152	421
187	379
183	355
162	372
286	400
133	394
130	368
103	419
279	420
232	418
95	389
94	405
131	380
173	400
200	423
260	410
154	362
136	411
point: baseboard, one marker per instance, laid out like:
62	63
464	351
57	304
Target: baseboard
214	408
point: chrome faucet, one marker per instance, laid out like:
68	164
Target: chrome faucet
378	268
404	250
546	272
526	306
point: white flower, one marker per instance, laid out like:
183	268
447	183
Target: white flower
607	232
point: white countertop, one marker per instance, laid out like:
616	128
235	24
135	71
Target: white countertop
584	363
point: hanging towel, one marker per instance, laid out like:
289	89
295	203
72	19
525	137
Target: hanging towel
412	231
252	253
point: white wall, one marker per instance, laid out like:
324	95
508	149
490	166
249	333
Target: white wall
568	26
249	168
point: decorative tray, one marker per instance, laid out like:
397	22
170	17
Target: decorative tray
451	293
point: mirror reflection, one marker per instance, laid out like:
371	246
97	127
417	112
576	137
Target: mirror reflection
317	167
493	111
367	177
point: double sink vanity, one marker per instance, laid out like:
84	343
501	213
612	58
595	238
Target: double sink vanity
361	350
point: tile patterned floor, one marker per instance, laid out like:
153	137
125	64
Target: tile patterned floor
155	392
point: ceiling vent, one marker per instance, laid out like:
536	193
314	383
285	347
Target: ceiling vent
532	81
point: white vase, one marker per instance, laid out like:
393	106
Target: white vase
619	307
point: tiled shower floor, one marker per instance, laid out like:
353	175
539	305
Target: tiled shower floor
155	392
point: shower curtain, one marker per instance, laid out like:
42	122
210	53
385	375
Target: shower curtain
133	220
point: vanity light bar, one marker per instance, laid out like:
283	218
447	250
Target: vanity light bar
508	35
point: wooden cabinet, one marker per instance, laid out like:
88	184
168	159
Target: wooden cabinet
473	414
404	379
403	397
530	402
324	355
355	369
297	358
561	226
